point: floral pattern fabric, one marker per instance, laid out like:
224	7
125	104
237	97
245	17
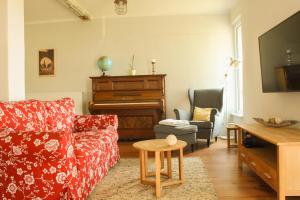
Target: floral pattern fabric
95	122
60	114
23	116
46	160
91	154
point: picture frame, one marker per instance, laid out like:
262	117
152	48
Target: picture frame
46	62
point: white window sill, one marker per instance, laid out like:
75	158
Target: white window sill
238	115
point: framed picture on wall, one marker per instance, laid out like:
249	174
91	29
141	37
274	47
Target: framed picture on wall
46	62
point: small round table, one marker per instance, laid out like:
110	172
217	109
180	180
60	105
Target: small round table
159	146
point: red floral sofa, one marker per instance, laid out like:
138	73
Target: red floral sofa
48	152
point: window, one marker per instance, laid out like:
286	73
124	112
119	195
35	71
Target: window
238	72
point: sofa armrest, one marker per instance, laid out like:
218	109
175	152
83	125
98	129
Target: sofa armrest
44	146
95	122
42	159
182	115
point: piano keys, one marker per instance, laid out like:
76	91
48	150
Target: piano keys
139	101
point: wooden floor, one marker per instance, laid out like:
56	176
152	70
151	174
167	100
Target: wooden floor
221	163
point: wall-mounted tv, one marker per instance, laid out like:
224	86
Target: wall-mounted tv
280	56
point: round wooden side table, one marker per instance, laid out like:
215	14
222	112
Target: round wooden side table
234	128
160	147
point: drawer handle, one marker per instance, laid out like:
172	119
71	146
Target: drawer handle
253	164
243	155
268	176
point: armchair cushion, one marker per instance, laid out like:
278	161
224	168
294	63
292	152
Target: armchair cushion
202	114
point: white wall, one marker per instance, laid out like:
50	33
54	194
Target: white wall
12	55
3	52
257	18
192	50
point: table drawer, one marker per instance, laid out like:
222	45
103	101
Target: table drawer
268	174
243	155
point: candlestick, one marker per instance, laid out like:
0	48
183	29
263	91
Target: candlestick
153	61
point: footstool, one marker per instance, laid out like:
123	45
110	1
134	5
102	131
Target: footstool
186	133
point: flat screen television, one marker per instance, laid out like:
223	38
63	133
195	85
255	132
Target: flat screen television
280	56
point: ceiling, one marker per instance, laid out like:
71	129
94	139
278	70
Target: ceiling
39	11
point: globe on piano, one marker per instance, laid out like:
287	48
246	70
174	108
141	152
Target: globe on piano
105	64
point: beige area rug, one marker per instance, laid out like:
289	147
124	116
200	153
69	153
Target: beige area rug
123	183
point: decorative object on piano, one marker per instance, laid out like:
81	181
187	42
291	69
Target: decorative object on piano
132	70
171	140
46	62
275	122
120	7
105	64
153	62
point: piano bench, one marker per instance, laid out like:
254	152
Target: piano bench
186	133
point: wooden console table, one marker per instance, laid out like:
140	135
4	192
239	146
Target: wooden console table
277	160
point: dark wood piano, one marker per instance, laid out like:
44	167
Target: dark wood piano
139	101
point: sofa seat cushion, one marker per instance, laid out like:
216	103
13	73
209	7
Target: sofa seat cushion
202	124
93	153
60	115
26	115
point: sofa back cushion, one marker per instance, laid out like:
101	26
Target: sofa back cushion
26	115
60	115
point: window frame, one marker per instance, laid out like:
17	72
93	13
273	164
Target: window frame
238	71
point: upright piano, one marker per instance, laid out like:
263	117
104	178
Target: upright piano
139	101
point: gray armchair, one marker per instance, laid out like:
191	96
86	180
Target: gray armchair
212	98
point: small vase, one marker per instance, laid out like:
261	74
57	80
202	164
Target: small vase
132	72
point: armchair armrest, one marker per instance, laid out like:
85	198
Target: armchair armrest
182	115
213	114
95	122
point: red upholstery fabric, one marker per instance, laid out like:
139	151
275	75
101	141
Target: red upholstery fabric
37	164
23	116
57	164
60	114
95	122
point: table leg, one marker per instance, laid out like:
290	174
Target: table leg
181	164
240	136
169	161
162	160
235	136
157	174
228	138
146	162
142	165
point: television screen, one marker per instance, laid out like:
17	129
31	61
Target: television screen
280	56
